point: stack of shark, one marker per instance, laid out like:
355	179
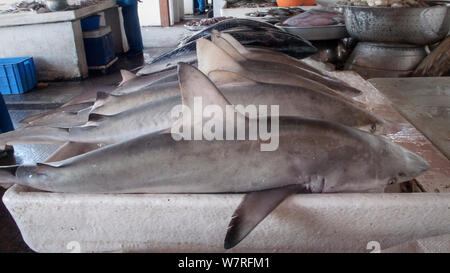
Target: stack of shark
123	141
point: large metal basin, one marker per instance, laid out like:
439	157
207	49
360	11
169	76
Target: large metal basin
379	60
420	26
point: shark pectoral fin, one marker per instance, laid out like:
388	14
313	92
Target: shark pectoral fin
234	43
126	76
227	47
211	57
253	209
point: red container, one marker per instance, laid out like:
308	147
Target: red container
293	3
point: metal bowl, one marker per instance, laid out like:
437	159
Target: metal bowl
56	5
420	26
385	60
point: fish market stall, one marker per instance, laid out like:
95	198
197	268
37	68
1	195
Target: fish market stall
162	162
55	39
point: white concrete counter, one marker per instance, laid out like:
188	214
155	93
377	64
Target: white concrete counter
30	18
50	222
53	39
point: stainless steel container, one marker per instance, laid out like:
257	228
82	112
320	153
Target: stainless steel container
56	5
420	26
372	60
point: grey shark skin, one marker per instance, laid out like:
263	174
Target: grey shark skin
313	156
269	61
141	82
212	58
62	119
156	115
327	157
103	127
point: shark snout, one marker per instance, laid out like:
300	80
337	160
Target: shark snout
415	164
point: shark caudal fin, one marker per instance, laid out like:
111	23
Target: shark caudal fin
253	209
126	76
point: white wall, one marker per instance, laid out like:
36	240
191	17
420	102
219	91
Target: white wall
149	14
188	6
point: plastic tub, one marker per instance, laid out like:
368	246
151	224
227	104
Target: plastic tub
294	3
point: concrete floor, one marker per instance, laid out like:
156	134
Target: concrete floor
157	40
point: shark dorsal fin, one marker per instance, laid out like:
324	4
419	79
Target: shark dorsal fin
126	76
226	46
194	83
211	57
222	77
234	43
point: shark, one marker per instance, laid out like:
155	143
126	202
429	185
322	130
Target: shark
117	118
271	60
313	156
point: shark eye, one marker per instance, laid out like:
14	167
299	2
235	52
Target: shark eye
373	128
392	180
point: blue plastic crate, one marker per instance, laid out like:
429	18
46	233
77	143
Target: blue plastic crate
17	75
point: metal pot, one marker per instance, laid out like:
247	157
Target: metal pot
372	60
420	26
56	5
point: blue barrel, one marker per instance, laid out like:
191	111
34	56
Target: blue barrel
5	121
131	24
